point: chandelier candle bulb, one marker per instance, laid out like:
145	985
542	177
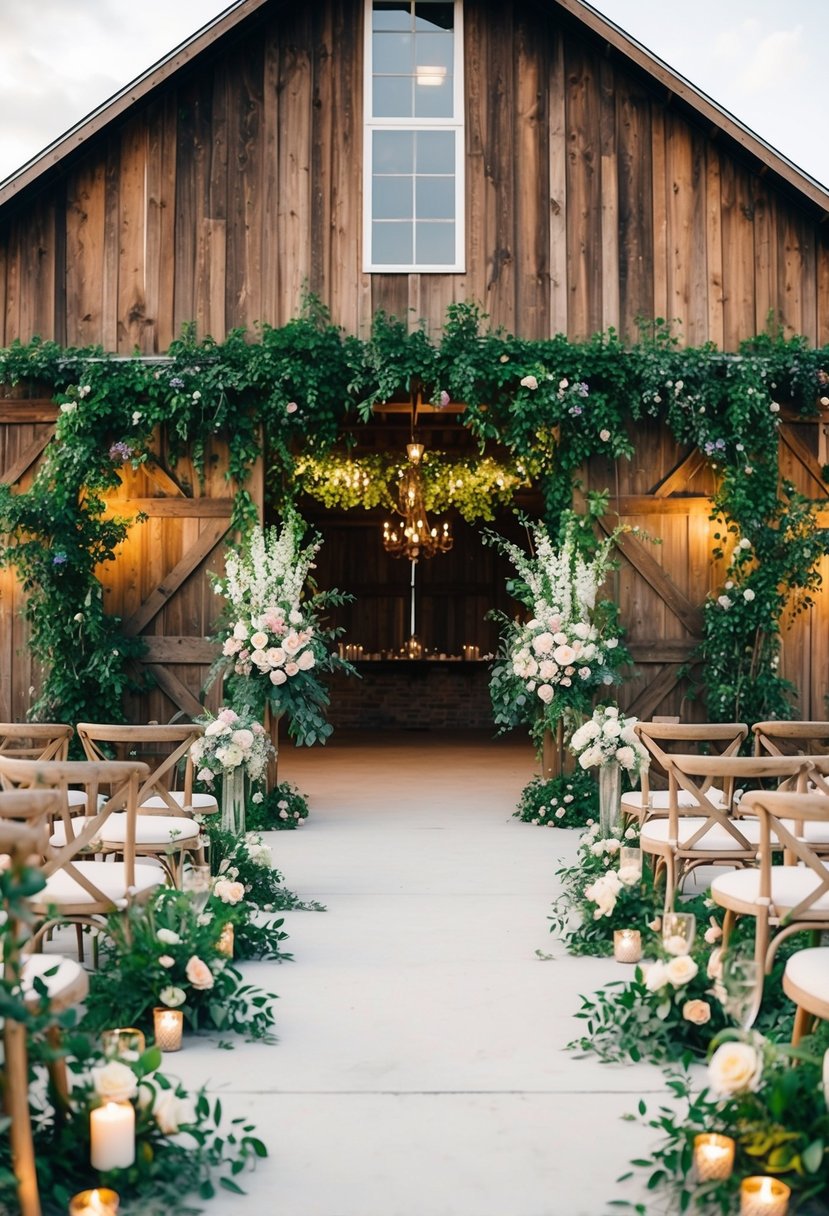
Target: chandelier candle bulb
101	1201
762	1195
168	1026
112	1133
713	1157
123	1043
627	945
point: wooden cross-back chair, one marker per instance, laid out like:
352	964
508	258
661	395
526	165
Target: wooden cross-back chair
39	741
791	738
701	829
783	899
23	833
806	982
82	887
165	827
722	738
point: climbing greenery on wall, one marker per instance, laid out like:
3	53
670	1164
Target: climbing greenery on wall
539	410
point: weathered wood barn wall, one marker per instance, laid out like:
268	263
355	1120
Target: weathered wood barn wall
600	188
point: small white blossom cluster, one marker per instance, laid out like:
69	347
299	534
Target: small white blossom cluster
607	737
231	740
604	892
560	648
271	635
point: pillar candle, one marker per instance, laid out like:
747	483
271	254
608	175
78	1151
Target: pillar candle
112	1129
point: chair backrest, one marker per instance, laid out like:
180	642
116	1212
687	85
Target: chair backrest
722	738
35	740
120	778
791	738
695	775
782	814
168	746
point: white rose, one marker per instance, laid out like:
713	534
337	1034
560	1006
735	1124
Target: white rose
228	892
172	1113
276	656
604	435
529	382
547	669
734	1068
626	757
724	601
278	676
168	937
564	655
216	728
748	595
260	660
243	738
259	640
291	643
167	960
680	970
656	977
542	643
115	1082
546	693
306	660
240	631
172	997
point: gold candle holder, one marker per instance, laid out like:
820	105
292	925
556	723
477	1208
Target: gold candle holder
225	943
98	1202
123	1042
627	945
168	1026
713	1157
762	1195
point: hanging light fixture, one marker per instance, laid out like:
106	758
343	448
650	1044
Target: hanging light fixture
414	537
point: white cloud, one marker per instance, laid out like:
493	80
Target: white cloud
779	55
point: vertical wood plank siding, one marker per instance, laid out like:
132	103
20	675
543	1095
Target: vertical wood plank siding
591	200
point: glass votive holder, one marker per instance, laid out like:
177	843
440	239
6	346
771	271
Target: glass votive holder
630	865
224	945
168	1027
762	1195
101	1201
678	929
627	945
123	1043
713	1157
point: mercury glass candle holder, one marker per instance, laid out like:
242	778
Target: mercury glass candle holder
627	945
630	865
168	1027
123	1042
100	1201
678	929
762	1195
713	1157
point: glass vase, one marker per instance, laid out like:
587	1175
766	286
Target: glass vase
233	801
610	799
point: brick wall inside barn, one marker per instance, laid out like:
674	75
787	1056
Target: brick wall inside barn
401	695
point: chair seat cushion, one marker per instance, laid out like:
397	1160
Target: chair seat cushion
76	798
739	889
149	830
815	831
202	804
67	975
716	840
108	876
661	799
809	971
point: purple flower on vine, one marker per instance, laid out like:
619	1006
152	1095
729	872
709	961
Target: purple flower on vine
582	389
59	559
120	451
575	410
176	382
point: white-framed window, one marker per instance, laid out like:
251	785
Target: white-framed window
413	146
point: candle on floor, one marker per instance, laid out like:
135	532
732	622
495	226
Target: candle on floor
764	1196
168	1025
225	943
98	1202
123	1042
112	1131
713	1157
627	945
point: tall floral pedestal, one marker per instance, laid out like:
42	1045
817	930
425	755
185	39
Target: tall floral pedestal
610	799
272	730
233	801
556	757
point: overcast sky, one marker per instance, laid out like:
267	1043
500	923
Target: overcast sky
760	59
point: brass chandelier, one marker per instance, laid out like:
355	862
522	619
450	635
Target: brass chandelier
414	537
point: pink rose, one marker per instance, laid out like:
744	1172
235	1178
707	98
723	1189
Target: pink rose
306	660
198	973
291	669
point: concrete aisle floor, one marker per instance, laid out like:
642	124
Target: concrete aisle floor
420	1069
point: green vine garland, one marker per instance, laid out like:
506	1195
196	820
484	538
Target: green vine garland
551	404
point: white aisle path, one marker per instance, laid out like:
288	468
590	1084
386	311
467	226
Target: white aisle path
421	1068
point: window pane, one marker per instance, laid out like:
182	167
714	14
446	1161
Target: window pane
393	53
392	198
435	152
392	96
391	244
435	244
435	102
434	16
393	152
435	198
435	49
392	15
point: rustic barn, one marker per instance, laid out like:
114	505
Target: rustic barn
540	163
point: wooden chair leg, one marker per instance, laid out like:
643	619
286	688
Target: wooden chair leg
729	920
79	938
802	1024
16	1100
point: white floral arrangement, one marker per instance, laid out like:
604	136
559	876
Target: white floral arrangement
230	741
609	737
570	645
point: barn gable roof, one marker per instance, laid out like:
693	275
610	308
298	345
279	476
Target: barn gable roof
675	85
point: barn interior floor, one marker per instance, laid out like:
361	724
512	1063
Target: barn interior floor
420	1069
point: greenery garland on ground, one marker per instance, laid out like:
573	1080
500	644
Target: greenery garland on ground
552	404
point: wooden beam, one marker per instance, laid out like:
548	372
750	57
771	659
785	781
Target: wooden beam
655	576
160	477
175	649
172	508
194	556
679	477
654	693
799	450
647	504
674	651
25	460
27	411
178	693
